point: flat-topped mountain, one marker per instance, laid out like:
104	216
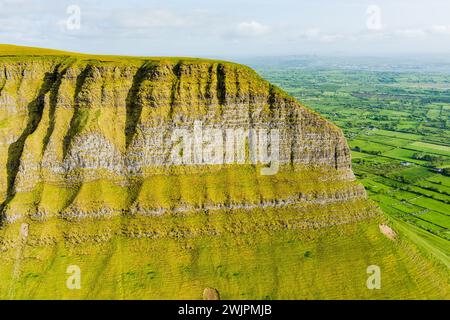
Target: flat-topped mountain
72	121
159	177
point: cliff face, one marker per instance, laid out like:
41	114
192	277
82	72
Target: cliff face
67	122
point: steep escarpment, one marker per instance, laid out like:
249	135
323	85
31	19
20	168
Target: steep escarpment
68	123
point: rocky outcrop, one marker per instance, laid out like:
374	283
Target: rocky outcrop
67	121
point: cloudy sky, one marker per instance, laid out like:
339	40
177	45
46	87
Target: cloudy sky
230	27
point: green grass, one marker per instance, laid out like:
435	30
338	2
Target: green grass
435	186
412	174
432	204
358	155
21	52
441	180
404	155
9	49
428	243
243	261
194	187
368	146
391	141
438	218
432	148
397	134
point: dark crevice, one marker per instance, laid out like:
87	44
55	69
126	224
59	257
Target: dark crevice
74	191
77	120
134	191
175	87
200	90
53	99
208	90
35	109
2	85
133	103
174	92
336	156
272	100
237	82
221	84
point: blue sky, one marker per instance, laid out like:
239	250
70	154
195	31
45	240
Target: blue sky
230	28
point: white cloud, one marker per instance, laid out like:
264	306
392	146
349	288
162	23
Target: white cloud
440	29
411	33
145	19
251	29
312	33
423	32
315	34
332	37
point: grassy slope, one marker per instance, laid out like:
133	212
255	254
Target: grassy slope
426	241
207	186
8	50
290	264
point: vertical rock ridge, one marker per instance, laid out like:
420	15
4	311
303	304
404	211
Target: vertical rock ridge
15	151
175	88
133	105
60	72
221	84
78	118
